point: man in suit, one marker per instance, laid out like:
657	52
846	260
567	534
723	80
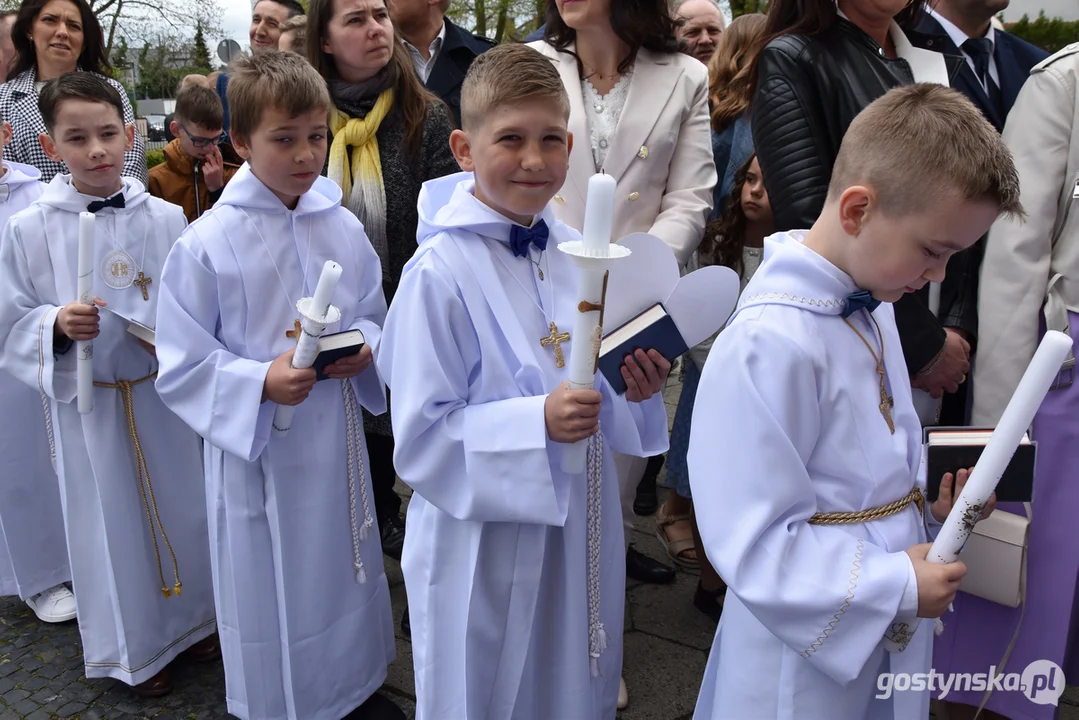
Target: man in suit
995	68
441	51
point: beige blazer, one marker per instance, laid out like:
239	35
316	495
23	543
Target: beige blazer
1031	266
660	155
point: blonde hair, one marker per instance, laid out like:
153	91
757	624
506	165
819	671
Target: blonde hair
925	141
298	26
280	80
507	75
193	79
730	70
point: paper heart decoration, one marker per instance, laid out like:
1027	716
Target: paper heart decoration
700	303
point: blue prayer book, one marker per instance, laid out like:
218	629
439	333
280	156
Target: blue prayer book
335	346
653	329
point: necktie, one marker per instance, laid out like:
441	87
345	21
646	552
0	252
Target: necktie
980	51
116	201
520	237
862	299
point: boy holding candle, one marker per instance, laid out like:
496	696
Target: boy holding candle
130	471
31	520
514	570
816	519
303	603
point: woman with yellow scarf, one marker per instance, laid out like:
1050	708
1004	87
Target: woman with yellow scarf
389	136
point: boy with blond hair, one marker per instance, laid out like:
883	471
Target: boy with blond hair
198	163
804	458
515	570
302	599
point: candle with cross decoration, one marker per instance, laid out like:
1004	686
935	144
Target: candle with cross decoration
593	256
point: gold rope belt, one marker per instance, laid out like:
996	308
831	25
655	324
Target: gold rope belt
881	511
146	490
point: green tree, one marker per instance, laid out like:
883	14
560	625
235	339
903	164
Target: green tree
744	7
1048	34
200	58
156	78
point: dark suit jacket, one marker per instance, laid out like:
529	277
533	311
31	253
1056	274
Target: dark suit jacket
1014	59
459	49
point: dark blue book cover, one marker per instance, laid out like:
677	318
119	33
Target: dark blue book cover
653	329
334	347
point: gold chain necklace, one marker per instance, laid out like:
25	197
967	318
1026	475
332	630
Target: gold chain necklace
886	402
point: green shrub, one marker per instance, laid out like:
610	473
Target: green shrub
1048	34
154	157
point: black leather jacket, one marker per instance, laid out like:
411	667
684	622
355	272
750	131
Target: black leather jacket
809	89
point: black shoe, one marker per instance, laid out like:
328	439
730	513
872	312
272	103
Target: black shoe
646	502
710	603
406	625
393	536
377	707
645	569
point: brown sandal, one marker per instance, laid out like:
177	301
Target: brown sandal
682	551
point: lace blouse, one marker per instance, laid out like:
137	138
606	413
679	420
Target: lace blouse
604	112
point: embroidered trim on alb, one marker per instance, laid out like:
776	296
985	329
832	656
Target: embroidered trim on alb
855	567
787	296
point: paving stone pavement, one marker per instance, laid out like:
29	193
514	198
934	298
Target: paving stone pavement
666	647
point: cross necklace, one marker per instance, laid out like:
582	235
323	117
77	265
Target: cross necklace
142	280
555	338
886	401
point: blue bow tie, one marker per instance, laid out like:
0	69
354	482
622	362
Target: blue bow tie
521	236
859	300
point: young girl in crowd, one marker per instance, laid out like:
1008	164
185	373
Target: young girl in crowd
729	93
735	241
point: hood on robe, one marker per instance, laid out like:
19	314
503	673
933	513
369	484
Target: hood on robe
447	203
245	190
61	194
19	174
792	274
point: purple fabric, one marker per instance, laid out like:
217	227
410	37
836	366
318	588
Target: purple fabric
977	634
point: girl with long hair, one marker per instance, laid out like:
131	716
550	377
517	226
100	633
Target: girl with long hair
735	240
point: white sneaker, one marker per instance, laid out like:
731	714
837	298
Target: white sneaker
55	605
623	694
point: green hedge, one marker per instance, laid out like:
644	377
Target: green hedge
1048	34
154	157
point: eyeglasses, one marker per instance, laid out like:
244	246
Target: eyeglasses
201	142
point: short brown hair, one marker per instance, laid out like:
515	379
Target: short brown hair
924	141
284	81
507	75
297	25
77	85
199	105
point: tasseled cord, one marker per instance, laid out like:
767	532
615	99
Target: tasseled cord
357	476
597	636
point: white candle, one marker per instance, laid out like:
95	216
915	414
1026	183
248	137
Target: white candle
599	214
327	284
85	348
1014	423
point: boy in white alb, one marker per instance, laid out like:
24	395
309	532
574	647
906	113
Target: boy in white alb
303	603
805	451
515	570
130	471
33	555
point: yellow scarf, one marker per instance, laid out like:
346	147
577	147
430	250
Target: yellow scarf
359	133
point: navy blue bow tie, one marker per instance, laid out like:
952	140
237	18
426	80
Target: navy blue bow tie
859	300
520	237
116	201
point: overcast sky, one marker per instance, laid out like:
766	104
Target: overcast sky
236	21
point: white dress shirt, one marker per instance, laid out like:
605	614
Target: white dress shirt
959	37
423	66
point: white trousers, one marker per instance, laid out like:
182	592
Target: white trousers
630	471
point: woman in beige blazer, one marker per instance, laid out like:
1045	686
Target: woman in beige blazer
638	112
